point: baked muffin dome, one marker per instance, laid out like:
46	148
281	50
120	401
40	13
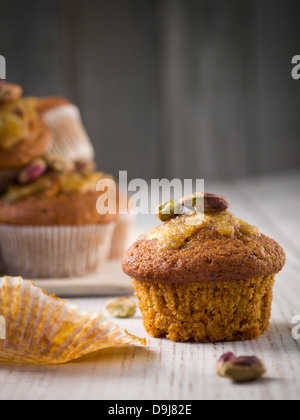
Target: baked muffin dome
49	223
205	277
206	256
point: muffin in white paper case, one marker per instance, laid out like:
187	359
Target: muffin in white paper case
55	251
42	329
69	137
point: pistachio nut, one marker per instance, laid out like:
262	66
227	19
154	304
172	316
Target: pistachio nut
222	362
210	203
168	210
123	307
10	92
240	369
34	170
194	202
58	163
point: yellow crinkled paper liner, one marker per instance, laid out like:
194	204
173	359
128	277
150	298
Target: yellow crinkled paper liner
42	329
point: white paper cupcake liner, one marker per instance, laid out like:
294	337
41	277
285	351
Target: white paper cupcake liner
120	236
42	329
6	177
54	251
69	137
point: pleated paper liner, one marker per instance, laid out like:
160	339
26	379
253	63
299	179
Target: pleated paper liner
42	329
70	139
54	251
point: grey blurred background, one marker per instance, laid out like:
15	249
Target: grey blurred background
167	88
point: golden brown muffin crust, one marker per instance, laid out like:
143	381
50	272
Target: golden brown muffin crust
206	256
68	209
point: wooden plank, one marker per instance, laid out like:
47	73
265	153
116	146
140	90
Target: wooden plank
110	281
118	84
277	197
201	83
165	370
69	49
30	41
168	87
277	41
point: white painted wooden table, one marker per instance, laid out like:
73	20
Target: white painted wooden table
165	370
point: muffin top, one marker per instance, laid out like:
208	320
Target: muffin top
52	192
23	134
195	246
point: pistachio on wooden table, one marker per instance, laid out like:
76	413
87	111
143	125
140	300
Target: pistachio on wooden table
240	369
122	307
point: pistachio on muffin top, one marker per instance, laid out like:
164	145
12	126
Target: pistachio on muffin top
197	211
52	176
195	246
53	191
174	233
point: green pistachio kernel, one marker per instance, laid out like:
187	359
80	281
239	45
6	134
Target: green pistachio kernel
194	202
123	307
168	210
240	369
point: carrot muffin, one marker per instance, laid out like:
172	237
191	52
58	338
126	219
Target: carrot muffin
49	224
70	139
23	133
204	277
